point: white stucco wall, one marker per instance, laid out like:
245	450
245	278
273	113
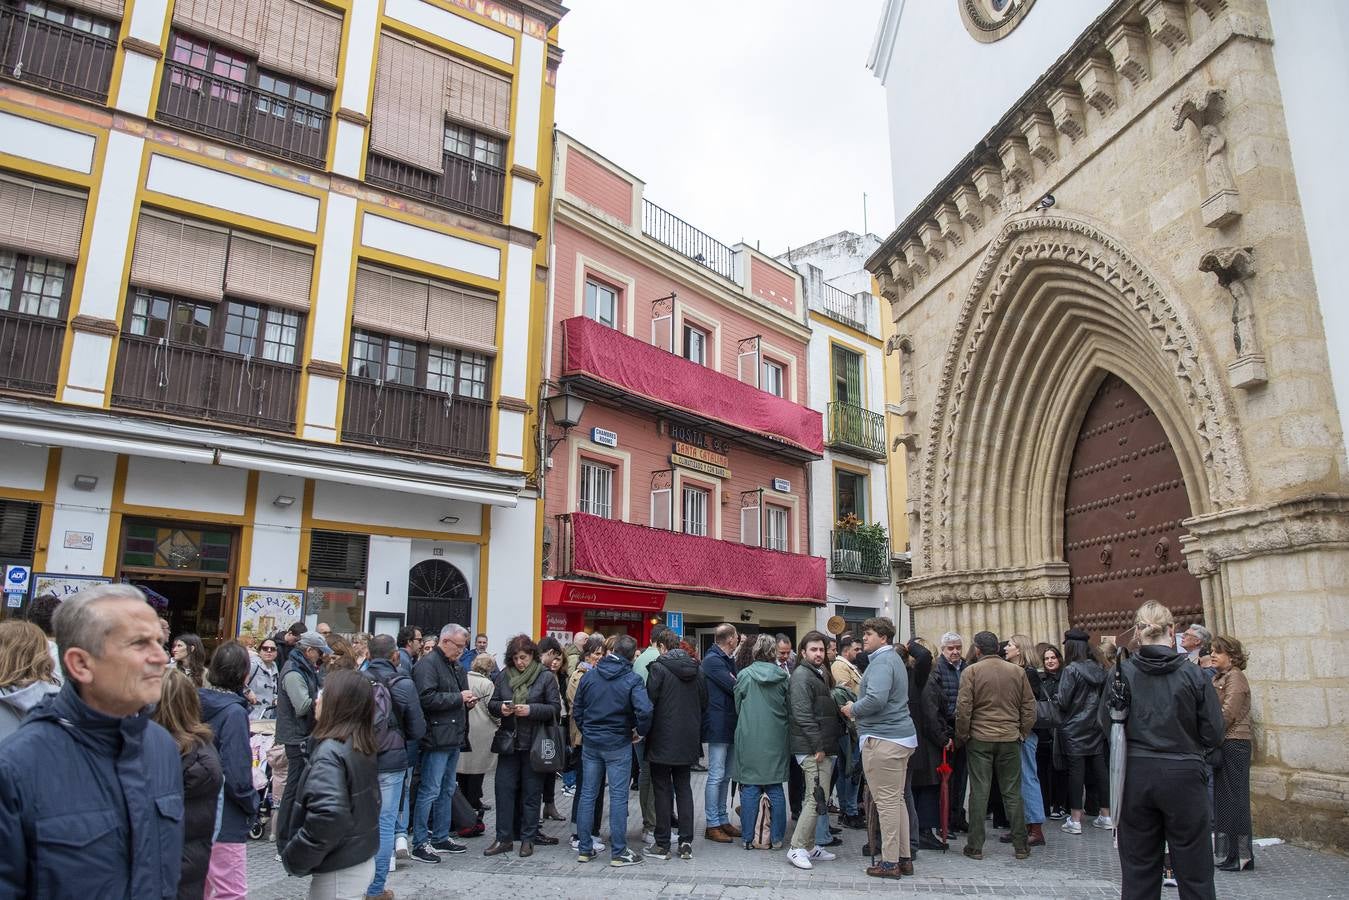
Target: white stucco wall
1311	57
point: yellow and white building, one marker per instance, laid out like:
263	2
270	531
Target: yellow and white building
272	284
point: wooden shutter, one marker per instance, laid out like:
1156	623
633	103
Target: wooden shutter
390	303
179	256
660	509
750	525
408	119
235	23
111	8
269	272
40	219
478	98
301	39
462	317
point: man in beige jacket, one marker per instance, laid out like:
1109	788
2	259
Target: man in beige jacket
995	712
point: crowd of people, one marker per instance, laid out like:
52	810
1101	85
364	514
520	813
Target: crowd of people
126	767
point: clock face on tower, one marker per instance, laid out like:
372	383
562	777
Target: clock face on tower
991	20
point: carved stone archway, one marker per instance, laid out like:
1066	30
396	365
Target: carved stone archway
1056	305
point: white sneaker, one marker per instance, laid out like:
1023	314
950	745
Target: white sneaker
1071	827
648	838
1102	822
595	843
400	846
800	858
821	854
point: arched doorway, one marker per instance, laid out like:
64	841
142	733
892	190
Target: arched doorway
1122	516
437	595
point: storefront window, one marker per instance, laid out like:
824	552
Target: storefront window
170	547
337	572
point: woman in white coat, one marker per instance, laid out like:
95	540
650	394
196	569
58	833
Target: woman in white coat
478	762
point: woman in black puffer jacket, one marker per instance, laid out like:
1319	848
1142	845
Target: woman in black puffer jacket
1080	733
927	705
331	831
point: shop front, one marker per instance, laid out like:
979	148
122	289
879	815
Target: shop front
572	606
185	570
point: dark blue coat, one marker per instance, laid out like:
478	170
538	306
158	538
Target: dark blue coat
719	717
227	714
72	782
610	702
407	711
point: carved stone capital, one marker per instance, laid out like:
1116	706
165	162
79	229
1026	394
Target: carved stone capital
1320	520
988	185
989	585
916	256
1069	112
931	237
1205	106
906	439
969	206
1128	46
948	220
1041	137
1166	21
1096	77
891	344
901	272
1016	161
1229	264
1247	371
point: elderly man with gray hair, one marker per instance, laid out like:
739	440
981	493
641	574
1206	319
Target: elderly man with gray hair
442	687
91	790
950	666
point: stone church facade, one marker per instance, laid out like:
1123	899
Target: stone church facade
1115	380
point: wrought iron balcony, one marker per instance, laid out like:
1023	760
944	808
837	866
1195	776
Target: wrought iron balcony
239	113
205	383
602	362
410	418
30	352
622	553
36	50
856	430
860	555
852	310
665	227
466	185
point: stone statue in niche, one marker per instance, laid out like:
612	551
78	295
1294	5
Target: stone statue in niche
1205	110
1216	171
1235	267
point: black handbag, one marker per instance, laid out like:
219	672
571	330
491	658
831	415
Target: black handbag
1047	714
504	740
548	755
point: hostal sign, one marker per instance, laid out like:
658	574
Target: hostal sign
699	452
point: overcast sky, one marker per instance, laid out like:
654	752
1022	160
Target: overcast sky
754	120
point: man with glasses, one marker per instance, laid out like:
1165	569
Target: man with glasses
446	700
261	685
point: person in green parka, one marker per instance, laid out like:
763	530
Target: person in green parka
761	740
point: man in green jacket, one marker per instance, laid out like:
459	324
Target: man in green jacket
812	731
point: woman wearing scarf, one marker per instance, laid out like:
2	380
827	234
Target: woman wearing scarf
526	694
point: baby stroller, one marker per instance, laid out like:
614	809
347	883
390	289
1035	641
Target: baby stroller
263	736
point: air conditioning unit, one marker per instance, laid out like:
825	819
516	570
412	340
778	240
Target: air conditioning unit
847	560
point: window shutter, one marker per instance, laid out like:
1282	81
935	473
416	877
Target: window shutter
335	556
110	8
39	219
301	39
179	257
750	526
236	23
269	272
462	317
408	119
479	98
660	509
390	303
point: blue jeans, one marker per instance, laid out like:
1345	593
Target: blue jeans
617	766
437	789
1031	798
714	792
777	802
847	786
390	789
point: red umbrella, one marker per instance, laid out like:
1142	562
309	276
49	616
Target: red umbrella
944	770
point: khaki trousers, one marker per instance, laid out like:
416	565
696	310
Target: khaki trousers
886	764
803	836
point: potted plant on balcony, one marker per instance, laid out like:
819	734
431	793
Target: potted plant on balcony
860	549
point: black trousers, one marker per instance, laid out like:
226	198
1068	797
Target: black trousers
796	787
959	779
576	799
296	762
928	800
1165	804
1053	782
471	785
670	785
515	778
1089	773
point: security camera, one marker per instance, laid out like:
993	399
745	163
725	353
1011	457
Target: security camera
1045	202
746	615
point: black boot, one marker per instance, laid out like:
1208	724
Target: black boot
929	841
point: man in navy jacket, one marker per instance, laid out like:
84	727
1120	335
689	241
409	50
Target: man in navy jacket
91	790
719	731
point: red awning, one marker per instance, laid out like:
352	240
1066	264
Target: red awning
601	596
609	356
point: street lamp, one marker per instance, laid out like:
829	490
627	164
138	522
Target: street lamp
566	410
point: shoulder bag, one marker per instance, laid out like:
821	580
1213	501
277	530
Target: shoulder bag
548	755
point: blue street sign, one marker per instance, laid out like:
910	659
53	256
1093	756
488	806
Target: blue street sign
675	622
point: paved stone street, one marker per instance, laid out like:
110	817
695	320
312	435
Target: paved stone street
1070	866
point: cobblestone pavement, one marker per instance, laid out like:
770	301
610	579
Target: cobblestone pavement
1070	866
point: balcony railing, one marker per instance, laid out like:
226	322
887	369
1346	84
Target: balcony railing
466	185
408	418
606	362
242	114
30	352
852	310
205	383
859	556
855	429
672	231
618	552
38	51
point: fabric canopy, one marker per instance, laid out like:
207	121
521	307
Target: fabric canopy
652	557
612	357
